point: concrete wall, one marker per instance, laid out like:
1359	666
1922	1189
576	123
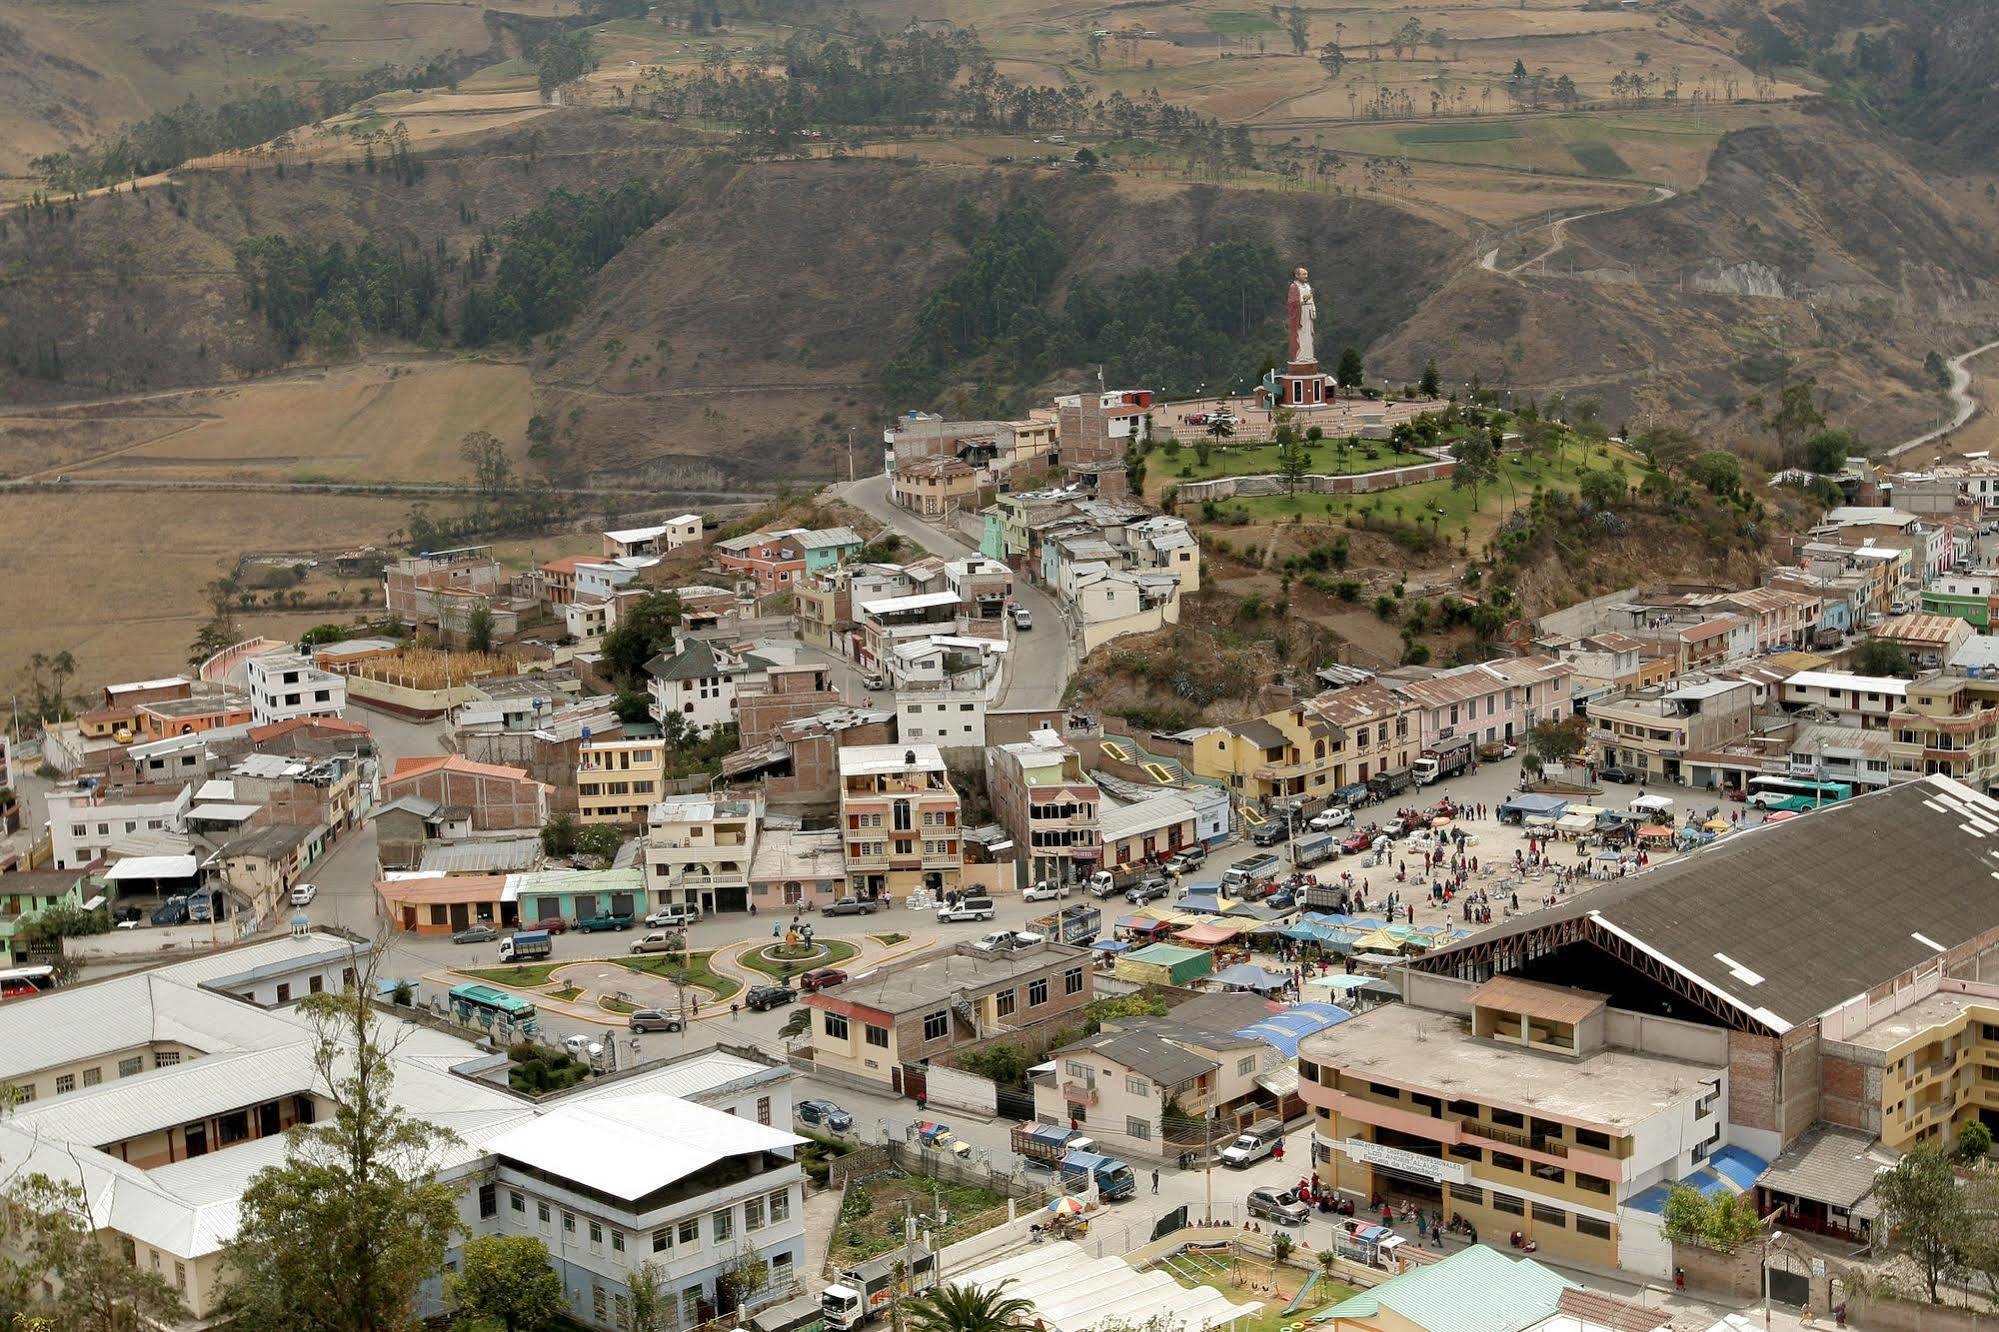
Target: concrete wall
1669	1037
1360	483
967	1091
418	703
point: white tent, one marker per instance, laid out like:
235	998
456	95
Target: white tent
1073	1292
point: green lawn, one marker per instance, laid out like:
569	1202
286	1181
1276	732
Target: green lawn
1329	458
519	978
1480	131
1240	22
836	953
1599	159
1270	1318
697	972
1451	506
889	940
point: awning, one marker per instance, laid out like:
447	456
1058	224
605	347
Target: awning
1279	1081
1110	945
1207	935
1655	830
1249	976
151	867
1573	822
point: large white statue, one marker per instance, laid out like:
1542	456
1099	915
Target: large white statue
1302	312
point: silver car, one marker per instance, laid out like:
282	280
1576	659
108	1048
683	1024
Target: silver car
653	1019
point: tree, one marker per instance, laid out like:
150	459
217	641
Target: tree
599	841
1220	429
564	58
1974	1142
558	835
632	706
1332	59
1667	448
1299	26
1937	370
1722	1222
479	628
651	1308
1281	1242
644	630
1478	464
507	1279
1795	417
1351	373
1556	741
1094	44
343	1234
1826	452
59	1274
1926	1213
1878	656
968	1308
1602	489
1430	386
1718	471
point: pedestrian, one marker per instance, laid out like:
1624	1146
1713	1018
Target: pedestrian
1155	1181
732	1012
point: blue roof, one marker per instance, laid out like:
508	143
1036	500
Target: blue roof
1738	1167
1204	902
1283	1031
1730	1170
1110	945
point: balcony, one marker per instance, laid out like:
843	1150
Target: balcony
1080	1093
1473	1128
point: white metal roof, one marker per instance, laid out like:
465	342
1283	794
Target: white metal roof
1072	1292
151	867
879	760
1871	684
918	601
219	811
630	1146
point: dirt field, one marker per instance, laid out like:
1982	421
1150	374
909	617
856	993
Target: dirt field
116	578
398	419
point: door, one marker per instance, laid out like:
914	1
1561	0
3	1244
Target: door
1789	1283
460	915
586	905
621	904
267	1120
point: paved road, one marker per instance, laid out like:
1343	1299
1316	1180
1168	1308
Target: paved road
1961	396
1043	658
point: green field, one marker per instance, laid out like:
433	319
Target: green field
1478	131
1240	22
1599	159
1329	458
1599	144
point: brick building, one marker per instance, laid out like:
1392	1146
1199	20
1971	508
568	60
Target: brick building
899	814
494	797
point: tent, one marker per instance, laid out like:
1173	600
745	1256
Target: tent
1111	946
1575	821
1165	964
1207	936
1522	807
1344	984
1249	976
1141	924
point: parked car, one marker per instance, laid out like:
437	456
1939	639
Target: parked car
602	924
1023	618
850	906
1187	858
475	934
557	924
1045	890
1147	890
173	911
873	680
1358	841
582	1047
824	1114
1282	900
1278	1206
968	908
1103	884
1331	817
660	941
1270	833
825	978
1614	773
677	915
303	894
652	1019
762	997
1006	941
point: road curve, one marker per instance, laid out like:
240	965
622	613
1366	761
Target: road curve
1960	393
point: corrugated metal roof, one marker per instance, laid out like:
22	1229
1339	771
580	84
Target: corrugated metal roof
630	1146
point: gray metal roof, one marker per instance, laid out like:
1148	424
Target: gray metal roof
1831	1165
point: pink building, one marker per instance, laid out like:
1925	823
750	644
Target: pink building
1491	701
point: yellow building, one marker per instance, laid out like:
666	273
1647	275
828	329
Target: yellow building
618	780
1341	737
1921	1075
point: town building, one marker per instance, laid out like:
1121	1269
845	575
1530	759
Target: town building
657	539
438	588
1660	733
618	780
1964	594
699	850
994	447
899	815
1558	1073
493	797
86	826
1929	641
1156	1088
875	1027
795	870
1047	802
1866	701
284	685
1490	701
26	894
1341	737
1948	725
696	684
935	487
1148	831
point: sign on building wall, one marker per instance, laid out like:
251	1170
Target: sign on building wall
1409	1163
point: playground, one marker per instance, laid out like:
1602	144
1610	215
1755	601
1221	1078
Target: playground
1289	1294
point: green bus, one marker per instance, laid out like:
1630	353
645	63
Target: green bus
484	1006
1797	794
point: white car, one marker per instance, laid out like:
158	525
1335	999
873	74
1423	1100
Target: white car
677	915
1338	816
303	894
968	908
1046	890
1023	618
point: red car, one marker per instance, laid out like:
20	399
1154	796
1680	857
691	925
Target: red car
822	979
553	924
1359	841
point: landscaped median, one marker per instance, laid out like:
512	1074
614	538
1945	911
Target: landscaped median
698	974
772	960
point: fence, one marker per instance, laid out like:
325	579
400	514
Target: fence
1359	483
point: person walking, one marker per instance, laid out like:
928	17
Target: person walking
1155	1181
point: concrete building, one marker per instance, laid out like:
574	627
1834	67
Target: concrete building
433	588
1150	1087
794	870
899	815
284	685
1660	732
699	850
1048	803
618	780
1965	594
1948	725
86	826
493	797
657	539
1930	641
1147	831
1334	739
697	683
935	487
875	1026
1866	701
1496	700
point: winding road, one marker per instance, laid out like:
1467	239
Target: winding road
1960	393
1558	233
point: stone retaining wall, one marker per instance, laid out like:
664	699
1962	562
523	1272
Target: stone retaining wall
1360	483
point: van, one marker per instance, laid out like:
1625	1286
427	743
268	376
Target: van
674	916
1253	1144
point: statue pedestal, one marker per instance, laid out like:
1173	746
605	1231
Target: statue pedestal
1301	385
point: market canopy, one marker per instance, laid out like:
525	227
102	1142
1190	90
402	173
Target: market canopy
1110	945
1576	822
1140	924
151	867
1204	903
1249	976
1207	935
1655	830
1349	984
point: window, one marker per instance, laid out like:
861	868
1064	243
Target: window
1308	1070
1037	992
1072	981
1464	1151
128	1067
1506	1202
836	1026
1588	1225
780	1206
1591	1138
1505	1161
689	1232
1592	1184
65	1083
617	1241
1554	1174
936	1025
1469	1196
596	1233
763	1109
489	1200
541	1211
620	1309
180	1276
92	1076
1136	1085
166	1059
877	1036
1073	1069
1508	1118
1245	1066
1550	1216
722	1224
1137	1128
515	1202
1383	1089
753	1214
569	1223
690	1305
599	1305
1004	1002
662	1240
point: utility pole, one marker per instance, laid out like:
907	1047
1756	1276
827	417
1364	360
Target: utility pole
850	456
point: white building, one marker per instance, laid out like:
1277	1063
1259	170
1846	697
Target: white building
656	539
697	683
85	827
1865	701
698	851
284	685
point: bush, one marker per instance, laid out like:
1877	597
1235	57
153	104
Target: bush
1347	589
1385	607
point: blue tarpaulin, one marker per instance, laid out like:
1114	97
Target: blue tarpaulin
1249	976
1284	1030
1110	945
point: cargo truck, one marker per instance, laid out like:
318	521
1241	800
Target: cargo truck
1114	1178
1447	758
1312	849
527	946
1046	1144
866	1290
1078	925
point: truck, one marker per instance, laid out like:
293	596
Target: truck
1385	784
1313	848
866	1290
1447	758
527	945
1253	1144
1078	925
1046	1144
604	923
1114	1178
1245	871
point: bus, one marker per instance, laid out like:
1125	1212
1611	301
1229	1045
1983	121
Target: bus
1796	793
484	1006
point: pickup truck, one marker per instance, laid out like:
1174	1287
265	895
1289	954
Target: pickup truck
600	924
1114	1178
850	906
658	941
968	908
